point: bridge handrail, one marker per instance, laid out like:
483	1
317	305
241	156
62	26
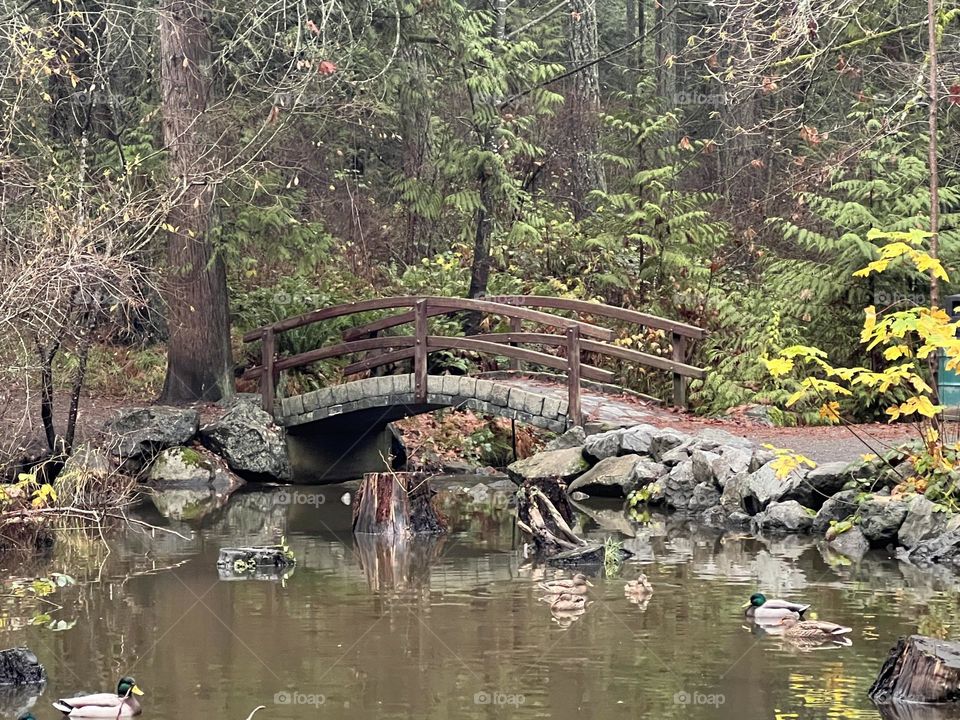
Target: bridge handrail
420	344
554	303
444	304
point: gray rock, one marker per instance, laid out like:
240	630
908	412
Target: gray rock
703	465
752	493
181	467
665	440
676	455
925	519
713	439
253	446
714	517
705	495
562	464
825	481
759	458
574	437
732	461
646	471
188	484
612	477
881	518
788	516
943	549
839	507
637	439
603	445
88	461
140	433
851	543
678	486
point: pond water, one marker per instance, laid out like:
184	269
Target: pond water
453	628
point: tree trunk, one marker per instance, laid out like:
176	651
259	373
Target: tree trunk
199	364
932	18
480	268
584	141
665	39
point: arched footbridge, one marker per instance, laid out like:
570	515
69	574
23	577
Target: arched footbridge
338	431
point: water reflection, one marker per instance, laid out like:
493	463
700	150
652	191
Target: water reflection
452	628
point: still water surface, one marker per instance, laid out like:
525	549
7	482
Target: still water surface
453	628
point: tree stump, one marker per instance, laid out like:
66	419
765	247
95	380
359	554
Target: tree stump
396	504
919	669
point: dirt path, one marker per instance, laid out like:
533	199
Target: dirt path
821	444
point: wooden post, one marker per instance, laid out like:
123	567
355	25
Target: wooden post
679	381
574	416
267	386
420	352
516	325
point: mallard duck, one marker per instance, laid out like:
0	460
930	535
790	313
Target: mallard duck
813	629
638	589
577	585
567	602
763	610
104	705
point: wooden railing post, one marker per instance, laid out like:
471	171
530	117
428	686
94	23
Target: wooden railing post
516	325
420	351
574	416
679	381
267	379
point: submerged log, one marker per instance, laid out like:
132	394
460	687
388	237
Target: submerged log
396	504
919	669
258	562
590	554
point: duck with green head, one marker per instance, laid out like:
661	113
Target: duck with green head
761	610
104	705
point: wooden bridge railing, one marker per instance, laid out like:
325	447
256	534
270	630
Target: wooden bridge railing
578	336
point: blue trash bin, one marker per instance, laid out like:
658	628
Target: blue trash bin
948	381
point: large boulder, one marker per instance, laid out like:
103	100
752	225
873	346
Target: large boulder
664	440
823	482
880	519
705	495
187	483
944	549
838	507
612	477
137	434
678	485
850	543
703	461
925	519
714	439
563	465
251	443
85	479
638	439
754	492
785	517
574	437
733	461
603	445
